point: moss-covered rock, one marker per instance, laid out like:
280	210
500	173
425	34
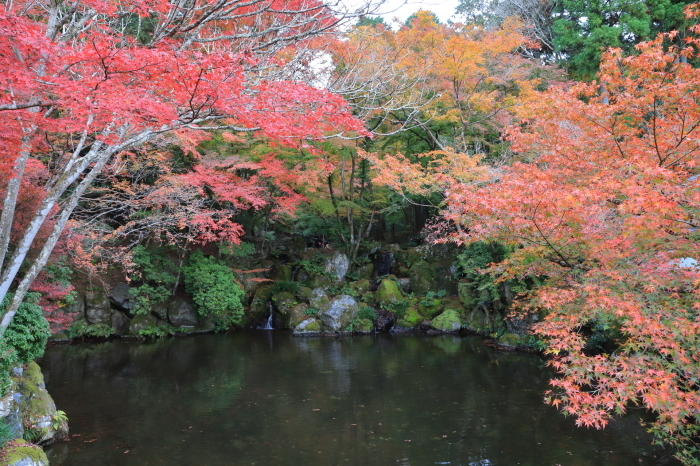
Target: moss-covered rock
338	313
259	307
364	326
448	321
423	277
388	292
320	281
283	303
142	324
297	315
365	272
97	307
410	318
466	295
360	287
308	327
511	340
430	308
21	453
318	298
282	273
304	293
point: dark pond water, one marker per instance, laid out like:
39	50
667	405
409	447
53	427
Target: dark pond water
266	398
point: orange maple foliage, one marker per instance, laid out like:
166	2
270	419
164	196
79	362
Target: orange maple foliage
608	209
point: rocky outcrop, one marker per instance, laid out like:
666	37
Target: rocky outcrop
387	292
384	321
21	453
119	298
97	308
181	313
448	321
337	266
29	409
337	314
308	327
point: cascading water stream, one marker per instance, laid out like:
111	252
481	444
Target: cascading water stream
268	323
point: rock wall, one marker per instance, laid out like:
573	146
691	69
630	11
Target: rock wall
31	414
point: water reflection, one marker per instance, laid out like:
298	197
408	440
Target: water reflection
264	398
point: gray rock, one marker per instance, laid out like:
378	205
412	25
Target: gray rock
28	461
337	265
404	284
119	297
307	327
182	314
97	308
318	298
160	310
141	322
338	313
120	323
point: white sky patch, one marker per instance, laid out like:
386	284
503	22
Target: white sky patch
402	9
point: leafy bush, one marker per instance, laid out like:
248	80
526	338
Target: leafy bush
82	329
213	288
312	311
156	273
29	330
367	312
239	251
58	418
284	285
398	308
8	359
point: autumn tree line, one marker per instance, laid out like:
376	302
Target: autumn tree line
564	132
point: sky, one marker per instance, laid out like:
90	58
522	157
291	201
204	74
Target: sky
444	9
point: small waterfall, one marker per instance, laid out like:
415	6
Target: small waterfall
268	323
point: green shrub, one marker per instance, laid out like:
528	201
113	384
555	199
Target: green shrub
311	311
214	290
29	331
82	329
156	273
398	308
285	286
8	360
367	312
239	251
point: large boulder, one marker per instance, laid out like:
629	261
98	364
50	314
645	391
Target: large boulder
423	278
119	297
292	317
142	324
448	321
318	298
120	323
338	313
337	266
181	313
360	287
410	318
283	303
308	327
387	292
97	308
29	409
21	453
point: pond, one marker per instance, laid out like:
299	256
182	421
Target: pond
266	398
